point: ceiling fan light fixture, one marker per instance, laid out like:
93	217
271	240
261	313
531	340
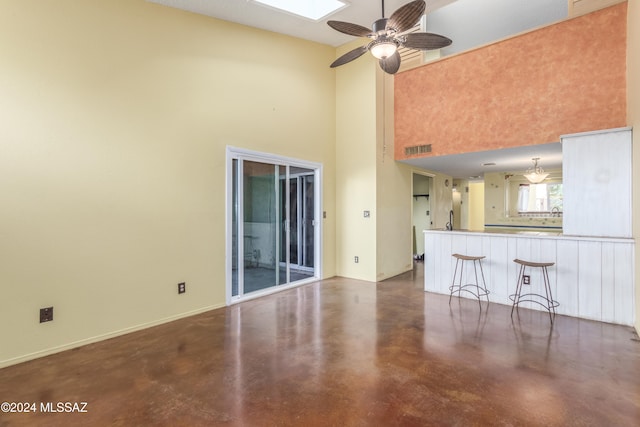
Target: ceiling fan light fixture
388	35
383	48
536	174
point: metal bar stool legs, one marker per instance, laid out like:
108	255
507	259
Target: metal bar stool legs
475	289
546	301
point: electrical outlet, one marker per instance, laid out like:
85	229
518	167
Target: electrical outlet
46	314
182	287
526	279
356	259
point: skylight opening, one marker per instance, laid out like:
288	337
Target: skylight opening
310	9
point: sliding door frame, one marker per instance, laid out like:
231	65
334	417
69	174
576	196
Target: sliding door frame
301	201
240	154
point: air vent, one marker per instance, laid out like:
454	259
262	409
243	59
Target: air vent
417	149
412	58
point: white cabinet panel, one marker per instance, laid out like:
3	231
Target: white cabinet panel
567	277
596	176
512	267
496	266
548	248
608	304
430	246
589	280
623	284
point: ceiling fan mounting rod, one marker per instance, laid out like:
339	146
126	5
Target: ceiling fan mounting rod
380	27
383	8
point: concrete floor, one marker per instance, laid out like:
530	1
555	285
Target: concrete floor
344	353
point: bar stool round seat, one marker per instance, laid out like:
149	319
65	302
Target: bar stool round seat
476	289
546	301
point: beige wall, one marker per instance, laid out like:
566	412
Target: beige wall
633	119
476	206
356	166
116	115
393	193
369	179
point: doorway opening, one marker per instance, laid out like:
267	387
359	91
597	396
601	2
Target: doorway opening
273	227
422	189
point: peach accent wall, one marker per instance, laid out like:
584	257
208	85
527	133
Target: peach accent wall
530	89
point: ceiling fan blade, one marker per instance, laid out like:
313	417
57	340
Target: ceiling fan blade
391	64
349	56
426	41
349	28
407	16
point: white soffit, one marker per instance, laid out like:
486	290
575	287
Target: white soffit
472	165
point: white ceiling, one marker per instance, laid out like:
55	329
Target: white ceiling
247	12
460	16
471	165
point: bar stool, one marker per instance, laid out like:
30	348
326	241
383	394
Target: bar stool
546	301
473	288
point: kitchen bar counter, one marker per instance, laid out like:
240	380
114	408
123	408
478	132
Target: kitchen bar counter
593	277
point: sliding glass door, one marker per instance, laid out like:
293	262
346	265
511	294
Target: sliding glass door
300	205
272	216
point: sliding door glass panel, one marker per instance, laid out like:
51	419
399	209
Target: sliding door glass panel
308	221
294	220
260	225
234	228
283	214
285	228
302	232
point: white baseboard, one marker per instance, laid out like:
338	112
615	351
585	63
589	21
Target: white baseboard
91	340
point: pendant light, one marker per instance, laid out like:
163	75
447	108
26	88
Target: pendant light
536	174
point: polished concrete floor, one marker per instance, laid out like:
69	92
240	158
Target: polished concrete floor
344	353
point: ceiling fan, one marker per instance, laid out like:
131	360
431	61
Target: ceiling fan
388	35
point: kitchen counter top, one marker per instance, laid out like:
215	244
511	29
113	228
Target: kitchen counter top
533	234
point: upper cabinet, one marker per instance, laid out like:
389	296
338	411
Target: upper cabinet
596	169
